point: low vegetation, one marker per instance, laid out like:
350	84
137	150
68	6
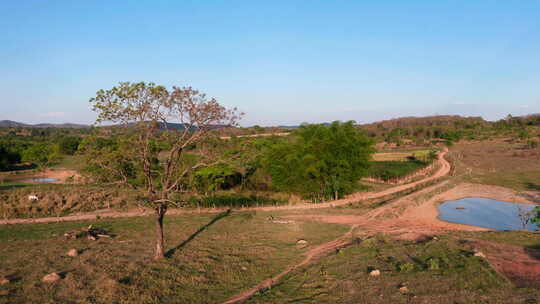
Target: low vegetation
394	170
443	270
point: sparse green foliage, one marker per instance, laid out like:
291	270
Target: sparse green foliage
405	267
154	146
111	160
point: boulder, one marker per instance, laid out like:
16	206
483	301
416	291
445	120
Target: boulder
301	243
73	252
375	273
479	254
51	278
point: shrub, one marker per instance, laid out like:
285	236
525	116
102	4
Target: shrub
405	267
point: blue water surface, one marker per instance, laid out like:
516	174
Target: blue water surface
485	213
35	180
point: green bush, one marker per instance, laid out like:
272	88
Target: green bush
405	267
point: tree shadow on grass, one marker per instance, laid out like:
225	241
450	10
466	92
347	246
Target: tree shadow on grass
533	251
531	186
21	167
9	187
220	216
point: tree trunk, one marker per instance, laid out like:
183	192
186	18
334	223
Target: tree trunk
160	244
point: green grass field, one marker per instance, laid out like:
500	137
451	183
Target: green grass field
388	170
401	155
211	257
70	162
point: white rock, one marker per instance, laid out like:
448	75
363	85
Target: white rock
302	242
73	252
33	198
51	278
375	273
480	255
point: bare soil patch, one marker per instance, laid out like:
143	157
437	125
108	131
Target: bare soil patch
520	265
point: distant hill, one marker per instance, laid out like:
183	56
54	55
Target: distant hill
427	121
15	124
298	126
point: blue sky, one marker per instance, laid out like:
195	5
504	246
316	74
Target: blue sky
281	62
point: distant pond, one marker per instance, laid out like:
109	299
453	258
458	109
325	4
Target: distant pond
40	180
485	213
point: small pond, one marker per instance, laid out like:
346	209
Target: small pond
41	180
485	213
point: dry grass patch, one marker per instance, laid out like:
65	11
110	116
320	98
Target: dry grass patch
499	162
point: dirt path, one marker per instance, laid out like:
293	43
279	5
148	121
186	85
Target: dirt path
313	253
444	169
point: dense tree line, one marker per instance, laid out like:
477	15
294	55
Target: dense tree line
40	149
320	162
317	162
450	129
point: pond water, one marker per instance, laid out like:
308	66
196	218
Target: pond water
42	180
485	213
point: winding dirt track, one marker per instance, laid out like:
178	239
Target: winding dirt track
444	169
371	223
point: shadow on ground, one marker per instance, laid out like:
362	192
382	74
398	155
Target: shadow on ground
533	251
21	167
9	187
531	186
220	216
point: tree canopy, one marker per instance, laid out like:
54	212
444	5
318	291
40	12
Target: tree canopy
321	161
164	135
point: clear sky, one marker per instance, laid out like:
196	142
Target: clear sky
281	62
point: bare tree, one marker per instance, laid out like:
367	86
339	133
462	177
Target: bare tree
148	111
525	215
